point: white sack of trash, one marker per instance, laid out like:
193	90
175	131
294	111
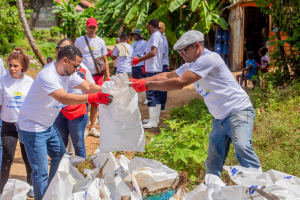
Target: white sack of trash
121	177
120	122
252	184
15	190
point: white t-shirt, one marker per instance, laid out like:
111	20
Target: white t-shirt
2	68
166	52
221	92
40	110
139	49
123	62
88	77
98	48
12	94
154	64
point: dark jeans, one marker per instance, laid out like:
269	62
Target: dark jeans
9	136
164	94
75	128
153	96
137	72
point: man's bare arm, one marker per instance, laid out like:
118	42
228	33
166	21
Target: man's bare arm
174	83
68	98
162	76
149	55
106	66
89	87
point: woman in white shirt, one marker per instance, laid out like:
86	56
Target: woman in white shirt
14	87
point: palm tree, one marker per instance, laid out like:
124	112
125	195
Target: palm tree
28	33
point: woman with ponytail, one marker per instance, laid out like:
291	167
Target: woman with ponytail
14	87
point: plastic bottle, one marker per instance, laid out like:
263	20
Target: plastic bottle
225	48
225	35
219	34
218	47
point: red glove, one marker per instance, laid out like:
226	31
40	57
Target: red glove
135	61
107	79
133	80
139	86
100	98
109	53
144	70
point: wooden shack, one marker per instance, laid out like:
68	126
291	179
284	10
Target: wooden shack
248	29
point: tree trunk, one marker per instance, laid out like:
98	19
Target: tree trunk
28	33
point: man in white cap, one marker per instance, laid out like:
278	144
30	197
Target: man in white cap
226	100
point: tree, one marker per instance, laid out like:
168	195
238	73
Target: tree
179	16
10	25
28	33
286	19
73	22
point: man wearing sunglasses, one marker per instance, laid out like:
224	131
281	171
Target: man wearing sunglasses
41	107
226	100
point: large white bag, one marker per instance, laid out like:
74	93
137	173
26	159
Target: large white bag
120	122
15	190
151	173
61	185
199	193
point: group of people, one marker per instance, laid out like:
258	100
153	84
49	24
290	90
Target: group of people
144	59
43	113
252	65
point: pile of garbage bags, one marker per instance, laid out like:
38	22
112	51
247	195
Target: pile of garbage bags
112	178
252	184
118	179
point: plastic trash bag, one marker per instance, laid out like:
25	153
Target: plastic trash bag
151	174
199	193
97	191
15	190
213	183
101	158
119	188
248	176
121	125
62	184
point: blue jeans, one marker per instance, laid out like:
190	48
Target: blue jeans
137	72
75	128
37	145
128	73
163	93
236	128
153	96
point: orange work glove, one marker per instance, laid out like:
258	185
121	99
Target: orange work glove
139	86
135	61
100	98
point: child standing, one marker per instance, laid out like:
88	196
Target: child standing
265	60
251	65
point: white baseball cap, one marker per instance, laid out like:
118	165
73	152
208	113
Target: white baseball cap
188	38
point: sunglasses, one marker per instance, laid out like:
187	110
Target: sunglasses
75	66
183	51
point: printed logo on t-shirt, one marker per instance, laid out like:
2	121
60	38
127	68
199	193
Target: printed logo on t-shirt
17	95
202	92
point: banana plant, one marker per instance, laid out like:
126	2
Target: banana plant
73	22
179	16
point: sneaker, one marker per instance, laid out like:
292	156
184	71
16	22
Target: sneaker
94	132
30	193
